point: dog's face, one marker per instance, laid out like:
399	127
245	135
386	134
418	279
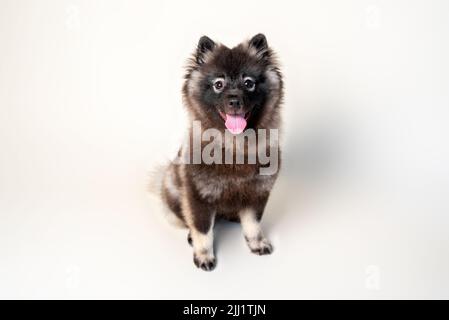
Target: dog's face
233	88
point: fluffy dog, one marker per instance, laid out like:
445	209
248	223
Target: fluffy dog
233	92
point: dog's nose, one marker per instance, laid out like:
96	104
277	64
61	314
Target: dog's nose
234	103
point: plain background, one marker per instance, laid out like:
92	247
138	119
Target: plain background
90	102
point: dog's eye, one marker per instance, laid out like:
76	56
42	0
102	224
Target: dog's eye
218	85
249	84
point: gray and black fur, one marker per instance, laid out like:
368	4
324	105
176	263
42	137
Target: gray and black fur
198	194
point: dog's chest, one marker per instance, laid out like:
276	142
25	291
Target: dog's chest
212	186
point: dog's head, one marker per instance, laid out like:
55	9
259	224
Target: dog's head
236	88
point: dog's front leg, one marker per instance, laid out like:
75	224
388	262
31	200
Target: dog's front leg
200	220
202	235
252	231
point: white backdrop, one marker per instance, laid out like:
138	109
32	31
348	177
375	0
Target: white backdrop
90	102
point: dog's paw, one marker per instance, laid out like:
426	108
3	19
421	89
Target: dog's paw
260	246
205	260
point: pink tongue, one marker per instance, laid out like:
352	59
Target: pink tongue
236	124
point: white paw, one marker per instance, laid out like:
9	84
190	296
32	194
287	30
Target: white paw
259	245
204	260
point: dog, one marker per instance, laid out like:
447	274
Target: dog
228	92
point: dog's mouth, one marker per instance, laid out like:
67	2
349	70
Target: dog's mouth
235	123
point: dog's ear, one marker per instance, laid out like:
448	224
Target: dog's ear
260	45
205	47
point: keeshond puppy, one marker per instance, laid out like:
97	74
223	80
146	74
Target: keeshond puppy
228	93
